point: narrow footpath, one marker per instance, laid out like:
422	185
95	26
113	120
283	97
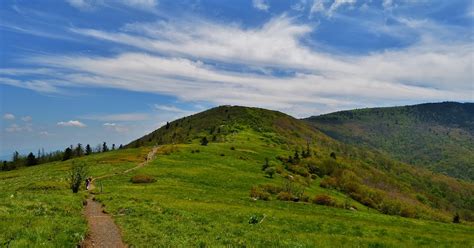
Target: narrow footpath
103	232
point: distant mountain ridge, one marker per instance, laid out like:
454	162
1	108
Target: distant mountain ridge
436	136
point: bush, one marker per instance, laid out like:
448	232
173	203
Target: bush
323	200
259	194
77	176
270	171
272	189
255	219
204	141
304	197
142	179
285	196
456	218
328	182
232	148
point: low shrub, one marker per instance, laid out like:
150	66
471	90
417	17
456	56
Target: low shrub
142	179
285	196
255	218
270	171
304	197
272	189
323	200
77	176
328	182
259	194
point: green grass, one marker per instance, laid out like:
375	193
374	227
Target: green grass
37	207
202	198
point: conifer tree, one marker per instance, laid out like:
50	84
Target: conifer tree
88	149
31	159
67	154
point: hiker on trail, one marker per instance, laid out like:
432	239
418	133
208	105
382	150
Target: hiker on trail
88	182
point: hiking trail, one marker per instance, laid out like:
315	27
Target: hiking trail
103	232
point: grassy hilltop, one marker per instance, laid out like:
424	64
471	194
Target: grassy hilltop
330	194
436	136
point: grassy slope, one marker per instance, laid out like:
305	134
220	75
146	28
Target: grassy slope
38	208
438	136
203	199
419	190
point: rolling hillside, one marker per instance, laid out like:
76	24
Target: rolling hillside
436	136
262	179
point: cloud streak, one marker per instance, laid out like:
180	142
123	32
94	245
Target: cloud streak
71	123
178	58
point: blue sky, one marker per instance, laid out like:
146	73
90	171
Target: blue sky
87	71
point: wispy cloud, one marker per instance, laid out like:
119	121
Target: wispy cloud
26	118
177	58
170	108
88	5
14	128
71	123
117	117
261	4
9	116
115	127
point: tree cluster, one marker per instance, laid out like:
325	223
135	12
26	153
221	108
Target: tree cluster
41	157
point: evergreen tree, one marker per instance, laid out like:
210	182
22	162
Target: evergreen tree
104	147
456	218
307	154
4	166
31	160
113	147
296	157
16	157
333	155
79	151
88	149
204	141
67	154
167	125
120	147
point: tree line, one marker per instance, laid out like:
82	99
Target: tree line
42	157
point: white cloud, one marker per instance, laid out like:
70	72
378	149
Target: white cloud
118	117
116	127
428	70
261	4
26	118
87	5
337	4
387	4
9	116
299	6
14	128
170	108
71	123
81	4
141	3
317	6
44	133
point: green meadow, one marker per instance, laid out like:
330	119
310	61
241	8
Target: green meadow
200	198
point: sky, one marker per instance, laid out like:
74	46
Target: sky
89	71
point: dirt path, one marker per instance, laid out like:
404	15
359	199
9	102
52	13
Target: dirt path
103	232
